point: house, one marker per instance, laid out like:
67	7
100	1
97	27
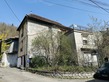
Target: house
84	46
30	27
9	57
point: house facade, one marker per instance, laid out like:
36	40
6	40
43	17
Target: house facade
31	26
84	45
9	57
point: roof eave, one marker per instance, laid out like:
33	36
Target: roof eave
27	17
24	19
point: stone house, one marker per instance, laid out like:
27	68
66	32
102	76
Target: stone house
84	46
30	27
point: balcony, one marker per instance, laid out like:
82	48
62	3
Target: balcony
88	47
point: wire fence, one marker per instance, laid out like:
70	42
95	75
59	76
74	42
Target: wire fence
72	72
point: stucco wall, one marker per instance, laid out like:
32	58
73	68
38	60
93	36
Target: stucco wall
82	55
12	59
78	40
73	44
9	60
34	29
78	43
31	30
22	40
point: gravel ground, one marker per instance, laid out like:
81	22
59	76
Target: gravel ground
17	75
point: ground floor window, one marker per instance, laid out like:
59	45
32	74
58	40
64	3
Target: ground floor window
90	59
87	58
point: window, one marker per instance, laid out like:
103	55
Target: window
21	49
87	59
22	32
85	42
22	35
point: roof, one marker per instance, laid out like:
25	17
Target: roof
44	20
82	29
11	38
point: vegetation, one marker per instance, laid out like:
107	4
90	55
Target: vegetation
9	30
72	69
6	31
57	53
100	30
38	61
56	47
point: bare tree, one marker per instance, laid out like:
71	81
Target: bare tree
55	46
10	30
100	31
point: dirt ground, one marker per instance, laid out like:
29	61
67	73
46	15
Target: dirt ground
17	75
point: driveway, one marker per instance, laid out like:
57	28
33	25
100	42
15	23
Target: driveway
17	75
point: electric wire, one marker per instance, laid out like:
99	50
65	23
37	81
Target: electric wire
99	6
71	7
11	10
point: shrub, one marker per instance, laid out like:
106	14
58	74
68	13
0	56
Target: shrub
38	61
90	69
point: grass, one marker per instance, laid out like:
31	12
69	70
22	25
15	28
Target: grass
77	69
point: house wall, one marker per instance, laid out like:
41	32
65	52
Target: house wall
85	56
30	30
78	43
22	50
12	59
34	29
23	40
72	39
12	53
10	50
9	57
18	62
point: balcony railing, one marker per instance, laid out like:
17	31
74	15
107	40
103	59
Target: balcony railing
89	47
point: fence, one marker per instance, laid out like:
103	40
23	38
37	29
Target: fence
71	74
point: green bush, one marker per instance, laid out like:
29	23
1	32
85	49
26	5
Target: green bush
90	69
38	61
79	69
40	65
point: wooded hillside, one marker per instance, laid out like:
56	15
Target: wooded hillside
8	30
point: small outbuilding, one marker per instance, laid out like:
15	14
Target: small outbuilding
9	57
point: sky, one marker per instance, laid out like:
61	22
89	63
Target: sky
66	12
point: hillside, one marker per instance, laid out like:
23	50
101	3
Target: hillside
8	30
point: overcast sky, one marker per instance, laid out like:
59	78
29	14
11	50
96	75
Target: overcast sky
66	12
